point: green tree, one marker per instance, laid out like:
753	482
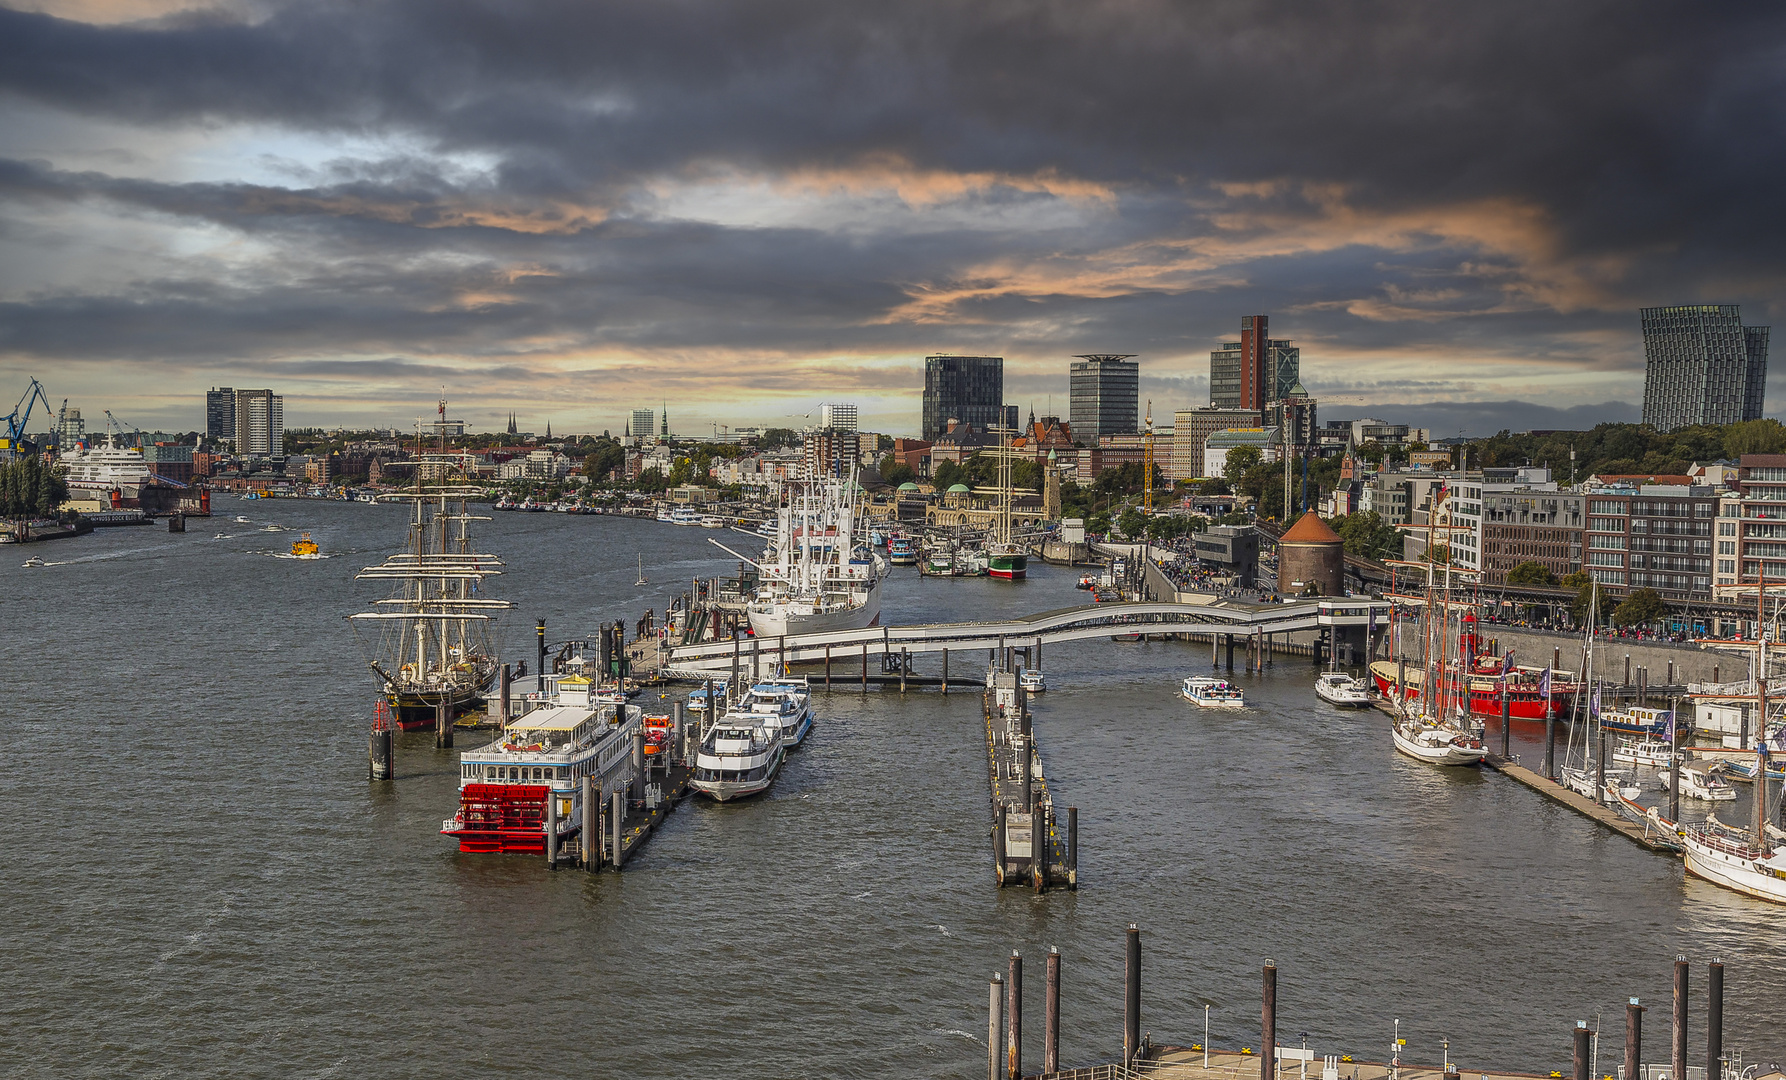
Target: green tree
652	480
30	488
1239	462
1642	606
1531	573
947	474
1754	437
895	472
1133	525
1367	536
775	438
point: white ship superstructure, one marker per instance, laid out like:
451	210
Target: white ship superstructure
819	573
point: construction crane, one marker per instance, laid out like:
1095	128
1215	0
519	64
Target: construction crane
113	422
13	439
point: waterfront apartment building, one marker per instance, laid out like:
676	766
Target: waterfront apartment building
970	389
1191	429
1105	395
1530	524
1256	370
260	423
1652	536
220	413
1757	535
1701	365
837	416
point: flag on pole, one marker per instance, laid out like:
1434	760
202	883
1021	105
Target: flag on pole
1507	662
1594	702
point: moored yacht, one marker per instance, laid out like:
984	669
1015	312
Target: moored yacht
1436	744
740	757
1703	781
1338	688
785	703
1652	752
1209	692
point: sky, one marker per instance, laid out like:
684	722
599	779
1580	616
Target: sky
569	209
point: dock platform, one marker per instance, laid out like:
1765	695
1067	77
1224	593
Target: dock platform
1187	1063
1642	833
1024	818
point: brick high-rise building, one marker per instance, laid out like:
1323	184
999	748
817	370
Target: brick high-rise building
1256	370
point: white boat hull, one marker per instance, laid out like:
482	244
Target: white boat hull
1351	699
1435	753
727	790
782	619
1217	703
1762	879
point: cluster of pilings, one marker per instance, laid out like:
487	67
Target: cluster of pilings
1004	1028
1027	841
614	827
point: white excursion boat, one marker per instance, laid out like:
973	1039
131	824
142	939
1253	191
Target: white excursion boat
543	753
1585	782
1031	680
685	515
712	521
785	703
1209	692
697	698
818	574
1338	688
1703	781
740	757
1652	752
1436	744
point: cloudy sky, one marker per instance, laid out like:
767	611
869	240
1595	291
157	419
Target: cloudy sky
567	209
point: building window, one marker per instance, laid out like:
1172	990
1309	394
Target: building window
1726	566
1596	558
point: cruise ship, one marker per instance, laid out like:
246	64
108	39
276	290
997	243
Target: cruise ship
819	573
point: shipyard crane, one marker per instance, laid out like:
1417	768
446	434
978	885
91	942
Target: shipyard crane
113	422
14	436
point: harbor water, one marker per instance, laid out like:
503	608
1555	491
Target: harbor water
200	879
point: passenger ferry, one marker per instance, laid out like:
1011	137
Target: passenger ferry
697	698
784	702
685	515
739	758
1208	692
543	753
712	521
902	551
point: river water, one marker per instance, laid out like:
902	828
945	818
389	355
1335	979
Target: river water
200	880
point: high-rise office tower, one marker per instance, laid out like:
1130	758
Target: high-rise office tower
1254	371
642	424
1701	365
1105	389
970	389
220	413
260	423
837	416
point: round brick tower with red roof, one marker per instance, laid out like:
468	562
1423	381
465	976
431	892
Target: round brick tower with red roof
1308	554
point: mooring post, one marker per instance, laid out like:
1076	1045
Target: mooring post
995	1030
1679	1058
945	671
865	667
1714	1019
616	822
1627	669
827	663
1670	682
1229	638
551	826
539	637
1550	744
443	726
1043	823
737	647
1072	848
1633	1038
1038	654
378	754
1268	1024
1506	720
1028	794
589	836
1215	650
1131	999
674	742
1014	1021
1051	1015
998	843
1004	663
1581	1050
638	784
904	662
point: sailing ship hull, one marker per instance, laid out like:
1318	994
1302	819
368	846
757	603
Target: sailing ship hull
1010	565
1446	753
1736	867
416	711
1484	696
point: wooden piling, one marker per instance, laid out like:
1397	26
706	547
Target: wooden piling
945	671
1268	1024
1633	1037
443	726
1051	1014
1580	1057
1131	1006
995	1030
1714	1018
1073	848
1014	1019
1679	1058
616	824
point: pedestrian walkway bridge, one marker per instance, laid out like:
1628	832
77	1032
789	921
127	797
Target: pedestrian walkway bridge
1067	624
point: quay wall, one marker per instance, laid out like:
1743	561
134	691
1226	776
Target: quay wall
1691	663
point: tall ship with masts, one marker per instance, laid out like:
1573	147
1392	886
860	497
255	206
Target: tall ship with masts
1006	558
819	572
1435	726
429	643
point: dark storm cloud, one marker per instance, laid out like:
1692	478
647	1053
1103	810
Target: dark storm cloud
1389	179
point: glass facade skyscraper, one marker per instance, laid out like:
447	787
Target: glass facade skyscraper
1247	375
220	413
970	389
1105	389
1701	365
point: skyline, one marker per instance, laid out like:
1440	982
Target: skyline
1455	214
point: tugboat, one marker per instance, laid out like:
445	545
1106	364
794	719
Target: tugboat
305	548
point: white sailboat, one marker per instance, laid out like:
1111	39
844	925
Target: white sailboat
1432	727
641	580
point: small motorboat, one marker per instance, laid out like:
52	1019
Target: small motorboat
305	548
1031	680
33	561
1338	688
240	520
1209	692
1652	752
1704	781
1087	582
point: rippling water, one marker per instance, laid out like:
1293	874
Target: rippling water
199	879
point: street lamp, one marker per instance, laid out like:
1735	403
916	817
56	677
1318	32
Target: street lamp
1304	1037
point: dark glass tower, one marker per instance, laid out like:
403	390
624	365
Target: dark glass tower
1105	389
970	389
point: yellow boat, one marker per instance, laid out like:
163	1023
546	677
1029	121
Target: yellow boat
305	548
